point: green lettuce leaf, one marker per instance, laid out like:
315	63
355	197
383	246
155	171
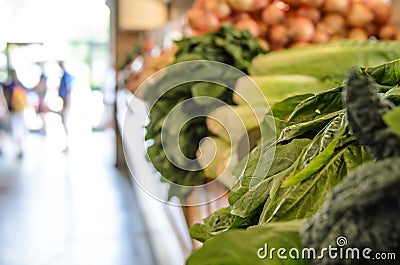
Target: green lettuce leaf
240	246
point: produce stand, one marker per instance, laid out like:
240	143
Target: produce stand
306	166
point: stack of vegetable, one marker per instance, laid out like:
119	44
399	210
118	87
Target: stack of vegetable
364	208
285	23
278	75
227	45
323	182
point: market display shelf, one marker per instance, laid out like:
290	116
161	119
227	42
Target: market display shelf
167	223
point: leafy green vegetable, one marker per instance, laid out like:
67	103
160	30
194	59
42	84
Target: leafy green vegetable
392	119
313	158
306	197
227	45
242	247
317	106
248	198
365	108
386	74
371	188
315	131
319	167
281	110
246	205
220	221
256	186
313	135
275	88
231	123
393	95
305	115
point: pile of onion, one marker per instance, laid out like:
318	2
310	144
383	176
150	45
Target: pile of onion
285	23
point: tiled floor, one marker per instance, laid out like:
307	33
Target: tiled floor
70	208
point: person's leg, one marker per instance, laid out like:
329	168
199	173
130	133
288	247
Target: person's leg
18	131
42	113
64	120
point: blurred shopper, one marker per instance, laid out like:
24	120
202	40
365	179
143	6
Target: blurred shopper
41	90
15	94
3	117
64	92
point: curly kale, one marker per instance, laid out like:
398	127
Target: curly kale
365	110
364	208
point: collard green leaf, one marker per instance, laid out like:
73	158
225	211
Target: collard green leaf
319	105
240	247
257	190
283	109
304	128
387	74
297	184
308	116
279	114
305	198
393	95
258	195
219	221
246	202
319	152
296	188
392	119
244	178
